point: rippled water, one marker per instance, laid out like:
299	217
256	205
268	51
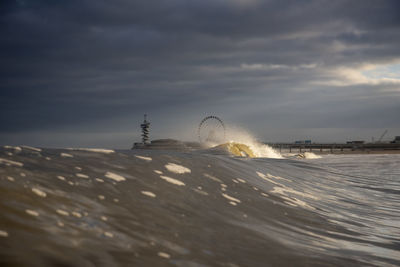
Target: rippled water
166	208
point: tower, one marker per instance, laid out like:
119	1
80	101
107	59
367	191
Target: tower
145	130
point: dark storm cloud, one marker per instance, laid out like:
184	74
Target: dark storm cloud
74	63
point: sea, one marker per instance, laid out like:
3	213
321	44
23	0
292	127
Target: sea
165	207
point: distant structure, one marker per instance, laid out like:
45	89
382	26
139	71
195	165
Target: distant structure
145	130
161	144
212	125
380	138
355	142
396	140
145	134
302	142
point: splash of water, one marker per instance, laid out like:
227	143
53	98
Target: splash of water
310	155
238	135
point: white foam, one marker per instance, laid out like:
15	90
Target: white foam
76	214
97	150
39	192
70	183
47	158
62	178
284	189
230	198
103	218
114	177
292	201
62	212
101	197
99	180
66	155
81	175
11	162
175	168
148	193
215	179
16	148
22	174
163	255
277	177
32	213
9	153
201	192
3	233
11	179
32	148
265	195
172	180
78	168
241	180
158	172
144	158
116	200
233	203
263	176
310	155
235	181
108	234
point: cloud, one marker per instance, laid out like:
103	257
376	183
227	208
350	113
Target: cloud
82	65
276	66
366	74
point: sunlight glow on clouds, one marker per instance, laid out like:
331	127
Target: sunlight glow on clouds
368	74
391	71
276	66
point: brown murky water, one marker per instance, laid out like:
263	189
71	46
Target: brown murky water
164	208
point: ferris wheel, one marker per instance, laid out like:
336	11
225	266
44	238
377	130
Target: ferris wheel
211	130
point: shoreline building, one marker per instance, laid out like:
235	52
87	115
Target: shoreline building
396	140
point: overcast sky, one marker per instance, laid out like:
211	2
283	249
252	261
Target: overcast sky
83	73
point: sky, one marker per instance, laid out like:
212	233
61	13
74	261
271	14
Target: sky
82	73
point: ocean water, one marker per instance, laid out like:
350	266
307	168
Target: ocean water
63	207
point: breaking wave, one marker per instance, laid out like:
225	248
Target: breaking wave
240	136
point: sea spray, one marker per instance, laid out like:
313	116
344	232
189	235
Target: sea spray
310	155
235	134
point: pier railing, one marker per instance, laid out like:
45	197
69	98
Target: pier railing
336	147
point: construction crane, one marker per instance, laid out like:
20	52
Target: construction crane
380	138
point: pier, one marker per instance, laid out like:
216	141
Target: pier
337	148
